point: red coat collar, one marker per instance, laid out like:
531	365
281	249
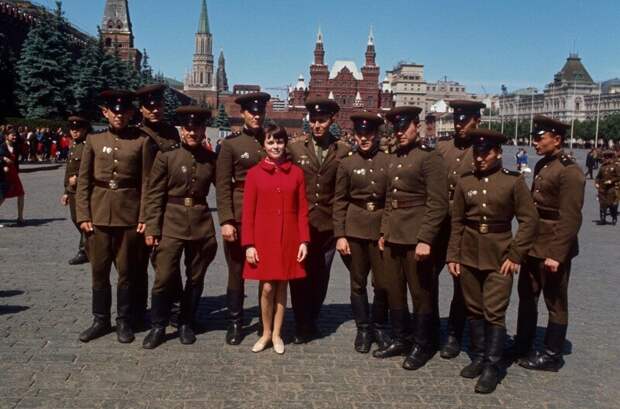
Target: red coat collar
271	167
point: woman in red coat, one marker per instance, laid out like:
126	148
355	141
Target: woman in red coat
274	232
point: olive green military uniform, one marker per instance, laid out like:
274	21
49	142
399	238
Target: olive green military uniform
308	294
459	159
608	182
481	240
359	199
164	137
238	154
73	169
177	211
111	184
416	205
558	193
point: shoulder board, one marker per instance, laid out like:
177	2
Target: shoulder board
233	135
510	172
566	161
468	173
426	148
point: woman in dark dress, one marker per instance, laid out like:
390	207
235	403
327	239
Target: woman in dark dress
9	160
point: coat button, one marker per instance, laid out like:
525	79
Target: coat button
278	189
486	179
484	192
484	205
458	159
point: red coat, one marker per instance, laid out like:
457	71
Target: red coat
275	220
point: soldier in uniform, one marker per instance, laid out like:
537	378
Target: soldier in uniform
359	199
416	205
237	155
483	253
78	129
457	153
607	183
319	156
109	208
179	222
558	191
165	137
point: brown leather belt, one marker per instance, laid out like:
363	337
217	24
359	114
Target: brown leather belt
240	184
369	206
116	184
484	228
187	201
406	203
548	214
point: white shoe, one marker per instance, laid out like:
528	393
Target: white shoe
260	345
278	346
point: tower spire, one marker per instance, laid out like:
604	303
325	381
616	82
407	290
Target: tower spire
203	23
370	50
319	51
371	37
319	36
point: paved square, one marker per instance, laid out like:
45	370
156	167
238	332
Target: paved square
45	303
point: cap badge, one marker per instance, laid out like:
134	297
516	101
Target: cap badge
184	169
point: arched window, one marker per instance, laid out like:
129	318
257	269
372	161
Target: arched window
110	24
108	42
119	24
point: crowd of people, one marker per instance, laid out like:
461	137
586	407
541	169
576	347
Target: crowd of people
397	209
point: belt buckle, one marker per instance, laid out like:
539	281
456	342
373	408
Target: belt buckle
371	206
483	228
394	204
188	202
113	184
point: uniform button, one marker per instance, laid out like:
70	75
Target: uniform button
318	185
395	190
193	179
486	179
484	192
372	182
370	170
399	165
374	195
458	159
116	139
316	194
537	190
454	172
116	148
316	204
451	186
484	217
396	178
536	203
484	205
115	160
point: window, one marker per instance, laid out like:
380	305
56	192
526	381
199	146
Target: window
108	42
119	25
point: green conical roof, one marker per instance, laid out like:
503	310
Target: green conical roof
203	24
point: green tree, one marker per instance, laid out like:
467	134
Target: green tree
222	121
146	71
44	69
172	102
335	130
88	81
305	126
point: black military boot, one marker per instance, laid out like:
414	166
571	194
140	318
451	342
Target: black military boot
124	332
550	359
361	313
399	345
488	380
456	324
422	350
526	333
603	216
189	307
79	258
476	349
614	214
102	302
379	315
160	308
175	306
234	334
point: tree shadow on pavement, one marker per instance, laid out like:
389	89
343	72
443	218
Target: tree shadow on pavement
31	222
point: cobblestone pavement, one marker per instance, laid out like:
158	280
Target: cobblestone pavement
44	304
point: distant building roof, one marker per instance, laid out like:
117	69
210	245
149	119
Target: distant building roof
573	70
349	65
606	86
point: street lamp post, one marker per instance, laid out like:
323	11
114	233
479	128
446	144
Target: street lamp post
572	125
532	118
598	114
517	121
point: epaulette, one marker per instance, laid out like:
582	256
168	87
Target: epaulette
511	172
566	160
233	135
426	147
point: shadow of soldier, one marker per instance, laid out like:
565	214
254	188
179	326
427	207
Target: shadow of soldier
12	309
10	293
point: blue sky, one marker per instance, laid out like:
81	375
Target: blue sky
480	43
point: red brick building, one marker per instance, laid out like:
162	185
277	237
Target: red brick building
353	89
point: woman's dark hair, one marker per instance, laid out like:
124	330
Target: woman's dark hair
276	132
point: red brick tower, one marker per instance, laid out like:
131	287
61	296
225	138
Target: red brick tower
368	87
319	73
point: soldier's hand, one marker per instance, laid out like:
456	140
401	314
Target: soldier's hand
229	232
422	251
64	200
454	269
251	255
342	245
73	181
552	265
151	241
302	252
381	243
509	267
141	228
87	227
